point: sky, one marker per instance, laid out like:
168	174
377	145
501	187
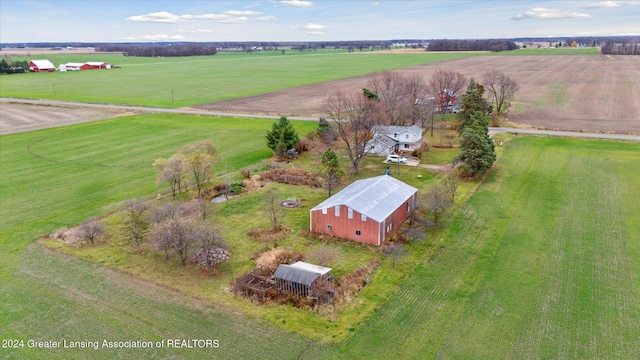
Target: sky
310	20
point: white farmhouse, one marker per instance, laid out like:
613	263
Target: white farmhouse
390	139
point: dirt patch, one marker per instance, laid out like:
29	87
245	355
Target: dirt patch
569	92
18	118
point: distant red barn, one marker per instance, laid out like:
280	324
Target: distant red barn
96	65
366	211
41	66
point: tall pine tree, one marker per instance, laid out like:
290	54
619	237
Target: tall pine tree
476	148
472	101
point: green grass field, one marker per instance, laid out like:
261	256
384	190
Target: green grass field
178	82
541	263
60	177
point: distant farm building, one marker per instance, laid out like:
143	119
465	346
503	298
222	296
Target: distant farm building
41	66
366	211
300	278
84	66
97	65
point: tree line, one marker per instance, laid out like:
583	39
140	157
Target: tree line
472	45
13	67
171	50
626	47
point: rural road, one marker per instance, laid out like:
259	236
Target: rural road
258	116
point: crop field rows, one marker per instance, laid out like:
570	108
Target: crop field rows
581	92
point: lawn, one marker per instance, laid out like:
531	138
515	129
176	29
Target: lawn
178	82
542	262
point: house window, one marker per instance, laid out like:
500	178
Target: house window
363	217
406	136
329	227
406	146
395	135
324	211
337	210
358	232
350	213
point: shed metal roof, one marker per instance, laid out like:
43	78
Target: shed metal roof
300	272
376	197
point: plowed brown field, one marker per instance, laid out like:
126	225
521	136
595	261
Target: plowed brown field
568	92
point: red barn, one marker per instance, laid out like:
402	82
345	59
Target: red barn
41	66
96	65
366	211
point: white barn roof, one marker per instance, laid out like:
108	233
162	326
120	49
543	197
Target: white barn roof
43	64
376	197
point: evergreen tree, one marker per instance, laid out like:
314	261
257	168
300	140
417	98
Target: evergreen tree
282	132
331	172
476	148
472	102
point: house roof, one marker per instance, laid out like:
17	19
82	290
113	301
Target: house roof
43	64
96	63
74	64
300	272
392	129
376	197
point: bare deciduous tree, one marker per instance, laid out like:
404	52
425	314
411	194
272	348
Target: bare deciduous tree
352	116
500	86
450	185
272	208
213	249
174	234
136	223
445	85
199	166
173	171
437	202
203	146
92	230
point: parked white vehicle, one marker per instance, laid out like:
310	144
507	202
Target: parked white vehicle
396	159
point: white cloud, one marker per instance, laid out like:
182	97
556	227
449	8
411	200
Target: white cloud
298	3
266	18
235	20
312	26
549	14
603	4
156	37
193	31
242	12
230	16
161	17
314	33
217	17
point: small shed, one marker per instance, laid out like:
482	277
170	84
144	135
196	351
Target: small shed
41	66
300	278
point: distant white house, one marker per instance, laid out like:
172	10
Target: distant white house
390	139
